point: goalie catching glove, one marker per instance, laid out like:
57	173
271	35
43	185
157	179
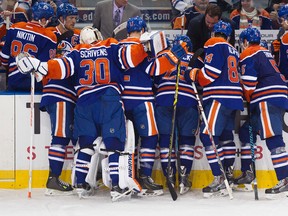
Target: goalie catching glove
27	64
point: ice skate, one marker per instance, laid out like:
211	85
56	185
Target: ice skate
244	182
84	190
216	188
118	194
281	189
184	182
55	186
149	187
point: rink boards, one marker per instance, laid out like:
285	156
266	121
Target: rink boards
15	148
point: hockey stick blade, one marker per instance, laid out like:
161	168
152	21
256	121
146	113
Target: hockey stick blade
119	28
171	190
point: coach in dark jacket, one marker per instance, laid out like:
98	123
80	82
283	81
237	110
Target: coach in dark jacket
201	27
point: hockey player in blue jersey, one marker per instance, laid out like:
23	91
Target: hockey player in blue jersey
186	120
222	97
138	102
31	37
266	92
98	71
58	100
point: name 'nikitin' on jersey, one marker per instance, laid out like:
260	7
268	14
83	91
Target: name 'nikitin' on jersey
219	76
165	85
26	37
262	80
96	67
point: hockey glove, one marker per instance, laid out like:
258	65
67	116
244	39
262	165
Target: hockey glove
180	50
191	75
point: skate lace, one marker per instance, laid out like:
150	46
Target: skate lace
280	183
62	183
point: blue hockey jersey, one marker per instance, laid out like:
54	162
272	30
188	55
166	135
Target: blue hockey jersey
26	37
219	76
96	67
262	80
283	55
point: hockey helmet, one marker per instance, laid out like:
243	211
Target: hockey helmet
42	10
89	35
283	11
136	24
29	2
243	36
66	9
253	35
183	38
264	44
223	27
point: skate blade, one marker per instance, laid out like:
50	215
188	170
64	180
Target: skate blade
220	193
150	193
183	189
53	192
243	187
84	194
124	196
276	196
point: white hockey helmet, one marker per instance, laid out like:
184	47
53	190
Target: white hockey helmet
89	35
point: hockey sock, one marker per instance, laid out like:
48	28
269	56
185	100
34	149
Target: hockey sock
56	154
113	160
229	147
212	159
82	162
147	154
186	151
164	154
279	156
246	158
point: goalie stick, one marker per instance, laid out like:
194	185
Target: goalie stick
199	52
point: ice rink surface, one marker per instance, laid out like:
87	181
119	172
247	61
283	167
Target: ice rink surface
16	203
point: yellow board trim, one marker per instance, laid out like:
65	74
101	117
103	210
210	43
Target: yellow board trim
200	178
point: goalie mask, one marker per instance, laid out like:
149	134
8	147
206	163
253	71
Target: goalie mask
89	35
183	38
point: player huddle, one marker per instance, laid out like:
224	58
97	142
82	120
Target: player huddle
106	95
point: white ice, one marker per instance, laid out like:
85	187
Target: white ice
16	203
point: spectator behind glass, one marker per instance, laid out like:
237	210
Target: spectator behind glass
248	15
272	9
105	14
200	27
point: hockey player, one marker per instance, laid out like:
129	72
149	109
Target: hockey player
222	97
186	119
138	102
58	99
33	38
97	68
283	55
265	89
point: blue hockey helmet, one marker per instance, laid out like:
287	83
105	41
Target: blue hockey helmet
253	35
66	9
42	10
183	38
243	36
223	27
136	24
264	44
283	11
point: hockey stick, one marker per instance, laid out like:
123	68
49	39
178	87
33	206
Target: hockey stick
169	168
32	101
119	28
212	140
252	145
